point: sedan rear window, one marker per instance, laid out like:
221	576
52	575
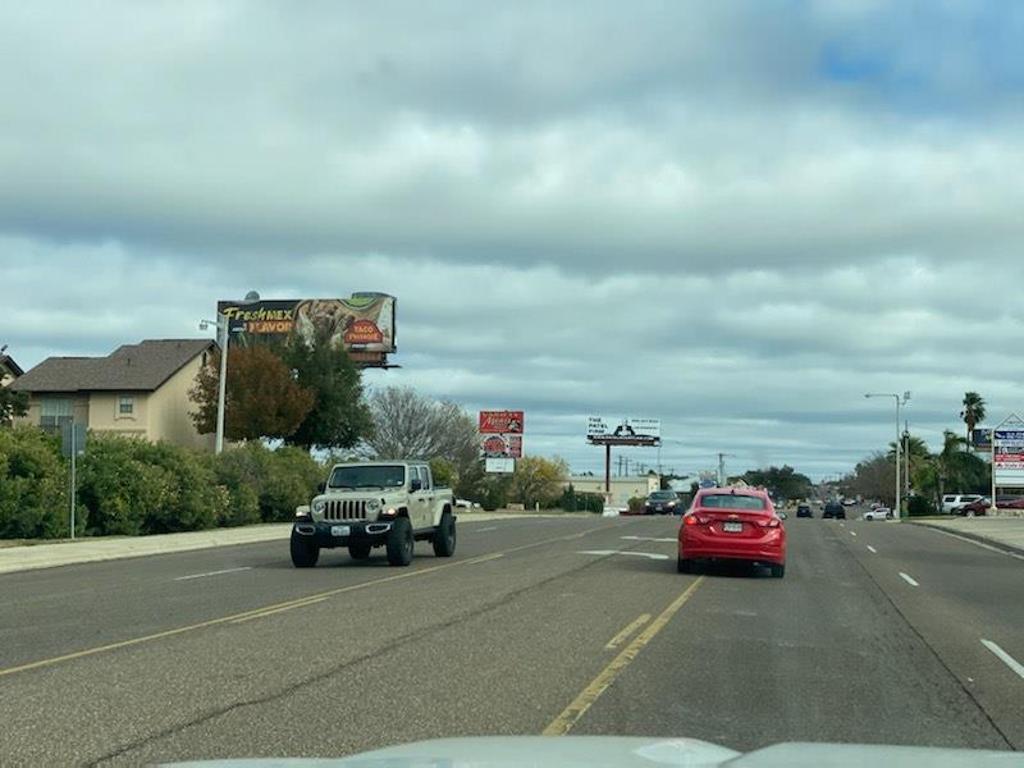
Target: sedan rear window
732	501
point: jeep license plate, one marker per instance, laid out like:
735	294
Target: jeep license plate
340	530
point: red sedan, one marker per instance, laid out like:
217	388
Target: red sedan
732	524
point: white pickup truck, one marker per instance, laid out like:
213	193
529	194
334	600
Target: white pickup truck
364	505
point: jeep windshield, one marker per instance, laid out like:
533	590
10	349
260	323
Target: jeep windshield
373	476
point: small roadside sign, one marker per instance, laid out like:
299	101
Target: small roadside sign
72	434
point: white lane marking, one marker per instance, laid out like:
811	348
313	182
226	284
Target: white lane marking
909	579
989	547
213	573
872	549
853	533
646	538
1006	658
482	530
842	525
649	555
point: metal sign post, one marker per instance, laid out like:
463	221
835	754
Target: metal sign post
72	446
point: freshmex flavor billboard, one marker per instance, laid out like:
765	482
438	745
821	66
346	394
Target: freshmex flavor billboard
362	322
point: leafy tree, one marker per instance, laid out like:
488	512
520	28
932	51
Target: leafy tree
12	404
782	482
873	478
408	425
339	418
973	412
262	398
538	480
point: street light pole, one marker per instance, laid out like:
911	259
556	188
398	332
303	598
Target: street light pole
222	384
222	324
897	513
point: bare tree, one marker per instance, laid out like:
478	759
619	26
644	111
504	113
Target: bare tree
408	425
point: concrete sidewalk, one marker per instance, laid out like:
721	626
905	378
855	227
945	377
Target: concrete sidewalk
1005	533
30	555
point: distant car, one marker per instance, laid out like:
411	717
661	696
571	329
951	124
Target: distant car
834	509
878	513
467	504
849	502
661	503
981	506
951	502
735	524
804	510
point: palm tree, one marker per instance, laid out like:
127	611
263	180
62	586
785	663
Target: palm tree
945	461
973	412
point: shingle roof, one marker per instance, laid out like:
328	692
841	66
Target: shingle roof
7	362
138	367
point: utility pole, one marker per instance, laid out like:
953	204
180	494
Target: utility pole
906	463
721	468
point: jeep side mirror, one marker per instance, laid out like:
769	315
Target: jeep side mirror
321	487
415	484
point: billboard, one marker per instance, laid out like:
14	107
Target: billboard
625	431
981	439
1008	453
502	466
501	446
363	324
501	422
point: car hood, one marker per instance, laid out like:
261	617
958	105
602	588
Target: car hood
632	752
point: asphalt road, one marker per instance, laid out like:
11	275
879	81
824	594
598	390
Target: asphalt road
880	633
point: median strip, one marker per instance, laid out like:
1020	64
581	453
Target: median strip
579	706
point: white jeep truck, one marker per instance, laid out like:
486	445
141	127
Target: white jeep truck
389	504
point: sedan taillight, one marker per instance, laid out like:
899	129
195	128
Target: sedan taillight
692	519
771	522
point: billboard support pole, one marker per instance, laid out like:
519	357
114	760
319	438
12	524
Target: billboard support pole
608	468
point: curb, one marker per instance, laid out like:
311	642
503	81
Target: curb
1009	549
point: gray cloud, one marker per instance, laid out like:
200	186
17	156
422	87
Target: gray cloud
735	216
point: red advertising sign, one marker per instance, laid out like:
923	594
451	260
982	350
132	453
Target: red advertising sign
501	422
363	332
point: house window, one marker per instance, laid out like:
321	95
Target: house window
125	405
54	412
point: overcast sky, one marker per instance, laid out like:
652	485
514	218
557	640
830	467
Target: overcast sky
735	217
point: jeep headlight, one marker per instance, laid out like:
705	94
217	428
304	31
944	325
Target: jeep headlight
372	505
319	506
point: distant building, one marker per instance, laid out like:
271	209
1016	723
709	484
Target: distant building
622	488
139	390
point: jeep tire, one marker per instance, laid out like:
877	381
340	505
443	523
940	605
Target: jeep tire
400	542
444	536
305	551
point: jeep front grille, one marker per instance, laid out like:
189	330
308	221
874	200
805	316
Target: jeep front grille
345	509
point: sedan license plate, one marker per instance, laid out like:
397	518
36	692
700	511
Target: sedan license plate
732	527
340	530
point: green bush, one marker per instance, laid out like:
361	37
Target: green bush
571	501
267	485
920	506
636	504
33	486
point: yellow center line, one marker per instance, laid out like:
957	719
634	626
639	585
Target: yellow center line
261	614
267	610
572	713
627	630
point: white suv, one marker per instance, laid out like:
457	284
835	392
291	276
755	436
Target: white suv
951	502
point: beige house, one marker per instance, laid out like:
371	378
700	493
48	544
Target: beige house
622	488
139	390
